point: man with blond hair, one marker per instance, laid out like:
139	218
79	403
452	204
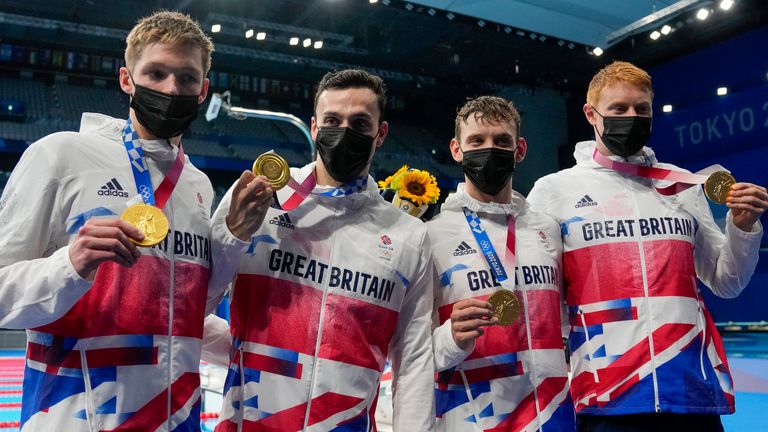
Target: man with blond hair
114	330
501	373
645	353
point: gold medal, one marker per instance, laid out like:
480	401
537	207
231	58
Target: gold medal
274	168
148	219
717	186
506	306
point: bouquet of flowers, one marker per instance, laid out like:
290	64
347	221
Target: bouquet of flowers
414	190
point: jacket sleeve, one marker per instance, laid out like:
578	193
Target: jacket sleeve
724	262
413	368
539	196
226	250
447	354
217	342
38	283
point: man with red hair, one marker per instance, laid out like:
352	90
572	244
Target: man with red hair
645	354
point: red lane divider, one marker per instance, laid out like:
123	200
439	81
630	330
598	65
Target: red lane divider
10	404
209	415
9	425
10	391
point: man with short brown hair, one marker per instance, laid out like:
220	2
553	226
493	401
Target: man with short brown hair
498	369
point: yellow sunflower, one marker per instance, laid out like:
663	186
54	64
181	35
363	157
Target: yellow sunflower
385	184
418	187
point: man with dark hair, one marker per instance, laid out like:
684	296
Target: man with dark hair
354	78
645	353
114	330
498	369
330	288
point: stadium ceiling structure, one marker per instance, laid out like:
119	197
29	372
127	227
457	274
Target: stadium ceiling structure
420	44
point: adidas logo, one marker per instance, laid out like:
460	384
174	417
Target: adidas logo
113	188
586	201
282	220
464	249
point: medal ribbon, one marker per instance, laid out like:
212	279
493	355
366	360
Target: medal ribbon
682	180
303	190
497	267
141	170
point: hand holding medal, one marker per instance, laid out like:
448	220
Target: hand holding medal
746	201
468	318
254	193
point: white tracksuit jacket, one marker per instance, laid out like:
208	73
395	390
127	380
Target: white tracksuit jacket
514	378
121	352
642	340
324	295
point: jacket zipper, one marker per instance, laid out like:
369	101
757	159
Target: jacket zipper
589	344
170	312
530	347
242	387
475	411
89	414
644	270
319	332
703	325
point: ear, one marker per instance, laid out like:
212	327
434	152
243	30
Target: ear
203	91
383	131
125	81
313	128
456	152
520	151
589	113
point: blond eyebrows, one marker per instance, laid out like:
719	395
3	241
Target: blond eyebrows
167	27
491	109
617	72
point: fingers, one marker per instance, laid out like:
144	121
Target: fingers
472	302
743	185
471	313
102	240
259	188
252	189
748	193
95	257
473	324
114	229
94	236
125	227
748	197
463	339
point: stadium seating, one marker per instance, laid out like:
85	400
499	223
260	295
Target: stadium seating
59	106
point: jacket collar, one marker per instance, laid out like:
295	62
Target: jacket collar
585	149
112	128
461	198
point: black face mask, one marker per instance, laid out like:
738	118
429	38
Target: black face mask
625	136
344	152
489	169
164	115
